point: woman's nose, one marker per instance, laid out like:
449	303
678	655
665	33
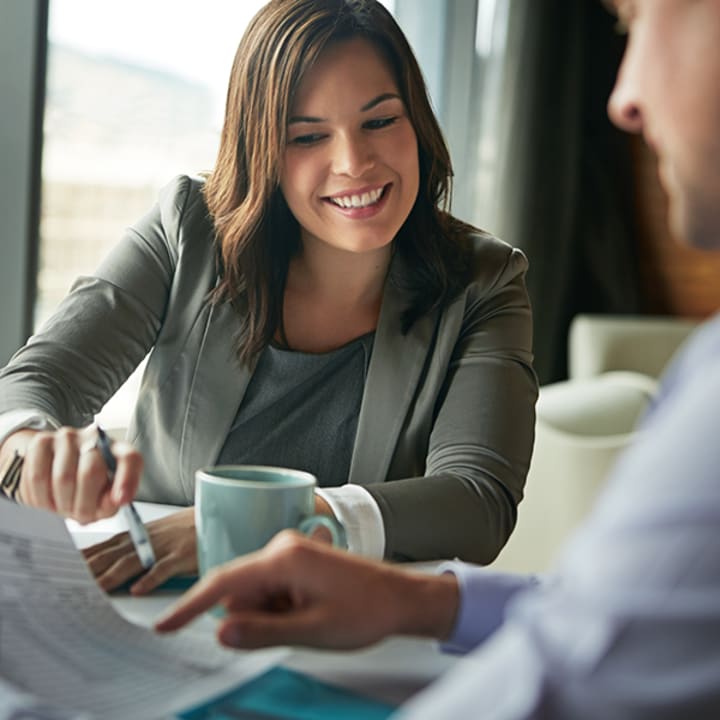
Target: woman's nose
353	156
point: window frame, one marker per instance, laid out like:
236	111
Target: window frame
23	53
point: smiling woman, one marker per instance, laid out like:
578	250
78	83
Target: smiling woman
350	173
309	304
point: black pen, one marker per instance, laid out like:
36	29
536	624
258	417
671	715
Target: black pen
138	532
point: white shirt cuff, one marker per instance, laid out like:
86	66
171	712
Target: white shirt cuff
360	515
25	419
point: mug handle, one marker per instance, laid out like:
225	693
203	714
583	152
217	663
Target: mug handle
333	526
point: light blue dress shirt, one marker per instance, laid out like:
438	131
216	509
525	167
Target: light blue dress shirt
628	624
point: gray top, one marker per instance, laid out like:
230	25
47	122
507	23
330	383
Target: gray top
300	410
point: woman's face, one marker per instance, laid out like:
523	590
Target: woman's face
350	171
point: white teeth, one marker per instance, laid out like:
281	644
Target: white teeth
358	201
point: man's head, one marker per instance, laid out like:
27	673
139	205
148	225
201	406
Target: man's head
668	89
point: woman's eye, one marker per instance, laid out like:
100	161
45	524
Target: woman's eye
380	123
307	139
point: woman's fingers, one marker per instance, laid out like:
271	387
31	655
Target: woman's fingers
173	539
161	571
96	496
65	472
123	569
103	555
114	561
37	472
127	475
128	567
91	483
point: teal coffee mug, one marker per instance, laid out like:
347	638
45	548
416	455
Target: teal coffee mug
239	508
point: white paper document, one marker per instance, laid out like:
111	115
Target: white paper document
63	643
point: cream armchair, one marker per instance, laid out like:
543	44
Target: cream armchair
643	344
583	423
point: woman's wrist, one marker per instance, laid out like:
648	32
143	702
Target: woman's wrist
10	477
322	507
12	455
18	440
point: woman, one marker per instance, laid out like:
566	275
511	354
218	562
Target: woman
310	305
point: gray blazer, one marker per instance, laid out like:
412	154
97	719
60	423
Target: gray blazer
446	425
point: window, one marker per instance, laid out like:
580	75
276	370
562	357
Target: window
129	104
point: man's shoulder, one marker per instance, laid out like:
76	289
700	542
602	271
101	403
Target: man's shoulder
704	344
700	350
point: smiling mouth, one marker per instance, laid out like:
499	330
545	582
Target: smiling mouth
354	201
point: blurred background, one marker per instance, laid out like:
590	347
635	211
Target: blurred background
102	103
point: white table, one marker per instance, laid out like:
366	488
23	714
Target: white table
391	671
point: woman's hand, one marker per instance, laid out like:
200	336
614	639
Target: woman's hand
114	561
320	533
299	592
63	471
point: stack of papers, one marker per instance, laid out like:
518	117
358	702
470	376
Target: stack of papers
65	652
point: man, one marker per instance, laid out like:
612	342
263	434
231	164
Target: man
628	626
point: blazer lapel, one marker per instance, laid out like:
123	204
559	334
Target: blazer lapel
396	365
217	388
393	376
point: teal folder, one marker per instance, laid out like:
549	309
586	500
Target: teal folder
282	694
178	582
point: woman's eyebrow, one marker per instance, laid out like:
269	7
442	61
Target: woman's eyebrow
379	99
304	119
367	106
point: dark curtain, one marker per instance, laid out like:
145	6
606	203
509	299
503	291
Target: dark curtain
564	176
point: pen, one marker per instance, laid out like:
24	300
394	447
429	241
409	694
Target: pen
138	532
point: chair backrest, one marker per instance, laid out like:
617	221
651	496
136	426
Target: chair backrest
640	343
582	426
584	423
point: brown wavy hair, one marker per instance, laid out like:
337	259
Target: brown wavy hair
257	235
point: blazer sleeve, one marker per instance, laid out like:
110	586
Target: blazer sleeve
104	327
482	433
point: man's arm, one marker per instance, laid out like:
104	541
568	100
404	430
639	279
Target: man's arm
299	591
629	623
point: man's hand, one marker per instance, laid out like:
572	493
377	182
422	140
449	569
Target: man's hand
299	592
